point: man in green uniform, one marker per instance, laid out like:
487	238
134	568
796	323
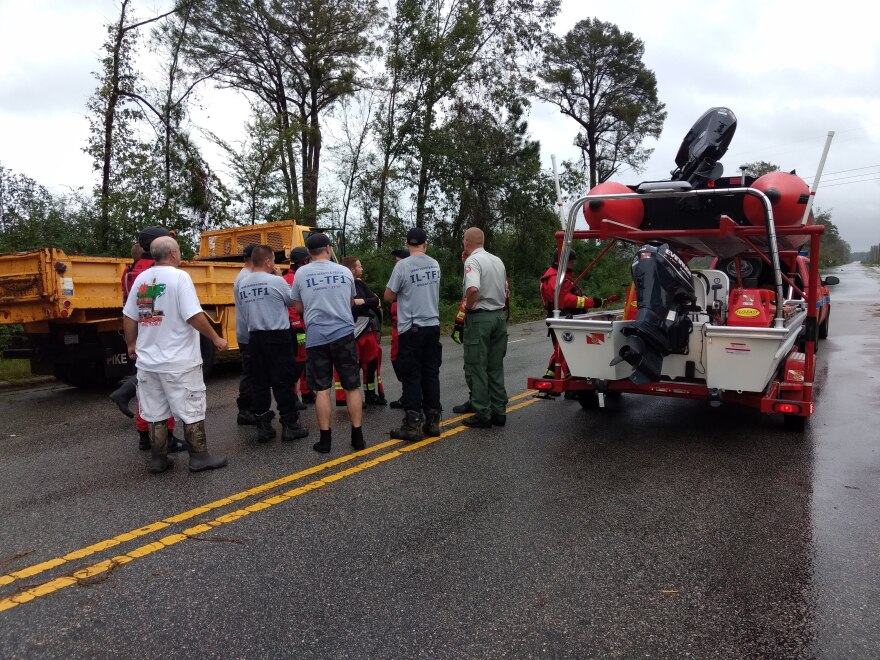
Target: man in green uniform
485	332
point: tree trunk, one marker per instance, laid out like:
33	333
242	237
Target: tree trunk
424	175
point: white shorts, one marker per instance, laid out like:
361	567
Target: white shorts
181	393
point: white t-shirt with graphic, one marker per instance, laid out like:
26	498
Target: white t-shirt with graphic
161	300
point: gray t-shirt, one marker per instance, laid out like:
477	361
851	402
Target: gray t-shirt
326	290
262	301
416	281
241	331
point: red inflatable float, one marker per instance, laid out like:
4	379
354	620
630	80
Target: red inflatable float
788	194
627	212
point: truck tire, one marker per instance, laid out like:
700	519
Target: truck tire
84	375
207	350
824	326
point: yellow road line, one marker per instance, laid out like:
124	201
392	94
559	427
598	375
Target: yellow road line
100	546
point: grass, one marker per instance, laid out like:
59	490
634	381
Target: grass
14	369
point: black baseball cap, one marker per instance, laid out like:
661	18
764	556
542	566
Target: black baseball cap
400	253
317	241
416	236
248	250
150	234
299	254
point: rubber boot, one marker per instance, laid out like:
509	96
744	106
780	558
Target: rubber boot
197	442
159	461
431	427
397	405
175	444
411	428
123	395
144	443
291	430
265	431
246	418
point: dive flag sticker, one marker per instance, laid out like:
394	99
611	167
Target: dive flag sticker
595	338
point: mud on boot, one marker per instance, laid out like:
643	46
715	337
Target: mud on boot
159	461
411	428
291	430
265	431
431	427
196	441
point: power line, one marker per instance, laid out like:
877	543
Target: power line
847	183
854	169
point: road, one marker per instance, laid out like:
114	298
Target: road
653	528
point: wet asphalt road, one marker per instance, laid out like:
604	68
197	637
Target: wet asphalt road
653	528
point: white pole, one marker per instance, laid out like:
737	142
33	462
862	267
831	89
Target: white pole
558	189
806	217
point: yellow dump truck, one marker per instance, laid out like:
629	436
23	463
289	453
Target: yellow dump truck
71	306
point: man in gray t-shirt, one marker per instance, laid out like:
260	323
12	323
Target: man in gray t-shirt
323	293
415	285
245	384
262	300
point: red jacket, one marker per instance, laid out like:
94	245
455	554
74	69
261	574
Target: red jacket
571	298
296	322
131	273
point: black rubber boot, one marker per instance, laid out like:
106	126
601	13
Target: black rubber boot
397	405
466	407
123	395
144	443
431	428
159	461
291	430
411	428
246	418
175	444
265	431
197	442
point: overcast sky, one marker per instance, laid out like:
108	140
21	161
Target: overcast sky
790	71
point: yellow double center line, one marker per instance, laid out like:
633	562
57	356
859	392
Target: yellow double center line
57	584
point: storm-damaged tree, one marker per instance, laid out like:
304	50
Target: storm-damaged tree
443	49
595	75
298	57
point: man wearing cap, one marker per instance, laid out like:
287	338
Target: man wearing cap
162	320
323	293
263	298
245	384
142	260
415	285
299	256
485	332
398	254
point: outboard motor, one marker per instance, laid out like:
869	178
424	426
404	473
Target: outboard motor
703	146
665	293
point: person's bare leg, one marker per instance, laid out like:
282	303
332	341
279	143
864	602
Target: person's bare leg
355	405
323	409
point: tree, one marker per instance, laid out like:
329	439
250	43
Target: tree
833	250
595	75
442	48
117	80
298	57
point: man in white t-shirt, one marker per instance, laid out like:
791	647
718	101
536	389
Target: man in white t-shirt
162	319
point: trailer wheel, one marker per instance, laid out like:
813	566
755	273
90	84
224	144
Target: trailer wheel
824	326
589	399
794	423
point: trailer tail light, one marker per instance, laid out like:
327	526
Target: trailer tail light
66	304
64	313
787	408
544	385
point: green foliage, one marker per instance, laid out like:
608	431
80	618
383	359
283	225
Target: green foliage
759	168
596	76
833	250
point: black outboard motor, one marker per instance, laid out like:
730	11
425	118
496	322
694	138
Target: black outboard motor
665	293
703	146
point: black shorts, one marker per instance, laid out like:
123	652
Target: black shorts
341	354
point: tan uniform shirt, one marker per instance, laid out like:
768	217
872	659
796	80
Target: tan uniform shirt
487	273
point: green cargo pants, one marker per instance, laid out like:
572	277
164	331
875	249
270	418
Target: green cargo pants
485	345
